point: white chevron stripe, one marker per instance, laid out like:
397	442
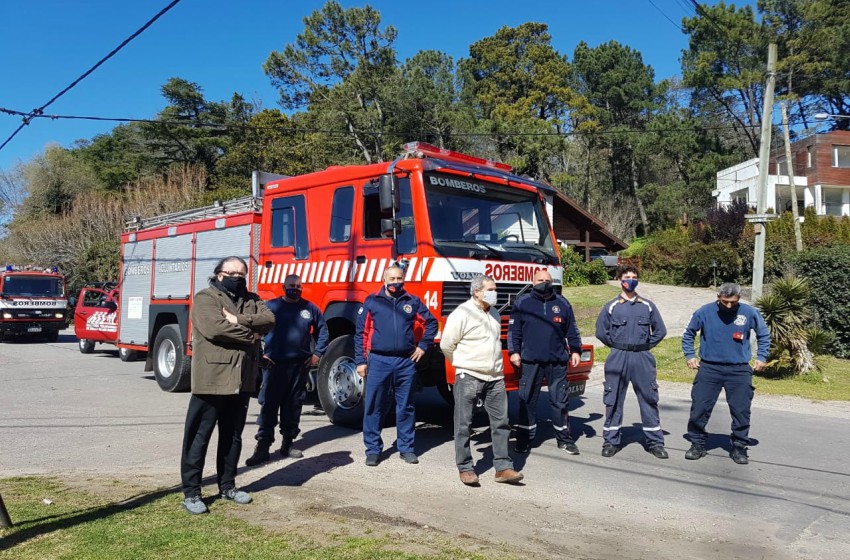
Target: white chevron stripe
298	268
261	274
343	273
410	269
361	270
316	275
305	278
380	272
333	276
371	271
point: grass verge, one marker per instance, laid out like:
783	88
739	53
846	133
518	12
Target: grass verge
587	301
152	525
830	382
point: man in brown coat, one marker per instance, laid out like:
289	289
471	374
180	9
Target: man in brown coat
228	322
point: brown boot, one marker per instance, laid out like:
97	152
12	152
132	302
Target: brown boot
508	476
469	478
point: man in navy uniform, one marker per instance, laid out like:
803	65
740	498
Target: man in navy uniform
631	326
724	350
299	325
542	339
386	352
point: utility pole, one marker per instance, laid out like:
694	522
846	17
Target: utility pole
798	236
764	160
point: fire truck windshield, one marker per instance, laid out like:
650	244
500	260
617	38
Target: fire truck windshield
33	286
476	219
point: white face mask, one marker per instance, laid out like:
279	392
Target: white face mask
489	297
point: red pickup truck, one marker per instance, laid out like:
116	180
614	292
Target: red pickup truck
96	319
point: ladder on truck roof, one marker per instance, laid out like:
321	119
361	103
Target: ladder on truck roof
216	210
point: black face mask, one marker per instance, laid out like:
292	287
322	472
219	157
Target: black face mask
234	284
543	288
293	293
729	310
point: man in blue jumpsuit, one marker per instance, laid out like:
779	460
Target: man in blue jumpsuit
299	325
631	326
542	339
724	350
386	352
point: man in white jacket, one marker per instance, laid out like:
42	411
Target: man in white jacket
472	343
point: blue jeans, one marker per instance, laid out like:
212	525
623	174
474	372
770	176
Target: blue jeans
385	373
467	391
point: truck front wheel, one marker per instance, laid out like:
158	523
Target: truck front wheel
127	355
86	346
170	363
340	388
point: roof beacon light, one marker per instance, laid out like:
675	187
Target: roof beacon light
422	149
9	268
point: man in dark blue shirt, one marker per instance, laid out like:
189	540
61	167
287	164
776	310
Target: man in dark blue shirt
299	325
724	349
542	339
631	326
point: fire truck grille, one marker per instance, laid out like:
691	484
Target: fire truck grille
455	293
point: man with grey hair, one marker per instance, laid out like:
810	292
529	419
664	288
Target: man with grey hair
394	329
472	343
724	363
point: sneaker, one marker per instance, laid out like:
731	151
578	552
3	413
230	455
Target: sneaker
236	496
410	458
609	450
659	452
739	455
286	450
695	452
261	453
509	476
522	448
194	505
371	460
569	446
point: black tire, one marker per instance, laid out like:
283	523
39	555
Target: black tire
170	363
85	345
127	355
446	391
52	336
340	389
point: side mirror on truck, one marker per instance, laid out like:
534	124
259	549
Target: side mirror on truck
390	227
388	194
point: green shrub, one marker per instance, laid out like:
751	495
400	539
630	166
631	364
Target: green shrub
580	273
664	253
701	262
827	272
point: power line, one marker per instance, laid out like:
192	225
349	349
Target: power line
679	27
701	11
37	112
367	132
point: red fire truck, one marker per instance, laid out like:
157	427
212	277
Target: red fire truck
32	302
443	216
96	319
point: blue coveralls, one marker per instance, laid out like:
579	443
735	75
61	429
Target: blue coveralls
288	347
384	340
724	364
631	328
544	332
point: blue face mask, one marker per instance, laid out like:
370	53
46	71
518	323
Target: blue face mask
629	284
395	289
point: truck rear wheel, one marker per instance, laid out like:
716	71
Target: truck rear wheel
86	346
128	355
170	363
340	389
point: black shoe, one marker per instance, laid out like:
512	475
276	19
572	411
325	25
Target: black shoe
261	453
739	455
695	452
659	452
569	447
609	450
522	448
286	450
409	457
371	460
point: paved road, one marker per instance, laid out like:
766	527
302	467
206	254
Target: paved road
63	412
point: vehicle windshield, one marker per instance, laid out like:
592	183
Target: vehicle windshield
33	286
473	218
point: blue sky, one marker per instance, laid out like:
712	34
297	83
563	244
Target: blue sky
221	45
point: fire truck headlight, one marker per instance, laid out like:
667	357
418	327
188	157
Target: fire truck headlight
585	356
7	315
59	315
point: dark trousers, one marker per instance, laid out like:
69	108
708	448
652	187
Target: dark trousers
529	390
638	368
284	390
467	391
205	411
387	373
737	381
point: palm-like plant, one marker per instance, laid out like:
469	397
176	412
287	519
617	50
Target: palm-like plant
788	316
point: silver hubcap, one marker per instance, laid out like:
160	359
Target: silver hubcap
166	358
83	343
345	386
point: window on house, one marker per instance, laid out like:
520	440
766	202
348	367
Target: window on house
809	156
342	211
289	225
781	166
841	156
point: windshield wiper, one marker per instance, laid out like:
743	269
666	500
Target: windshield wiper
490	250
549	259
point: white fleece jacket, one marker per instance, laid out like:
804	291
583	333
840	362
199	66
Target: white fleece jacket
472	341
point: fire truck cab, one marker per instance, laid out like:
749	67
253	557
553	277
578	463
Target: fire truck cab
32	302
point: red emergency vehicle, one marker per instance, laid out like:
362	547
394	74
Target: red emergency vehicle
96	319
32	302
443	216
